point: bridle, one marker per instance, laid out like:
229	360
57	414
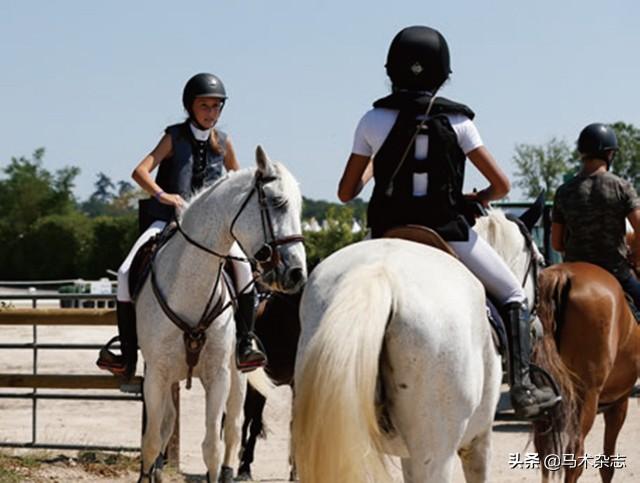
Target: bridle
267	258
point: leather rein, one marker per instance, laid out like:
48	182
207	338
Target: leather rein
267	258
534	263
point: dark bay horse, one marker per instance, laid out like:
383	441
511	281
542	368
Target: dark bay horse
591	346
278	328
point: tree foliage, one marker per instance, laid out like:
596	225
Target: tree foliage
44	235
542	167
55	246
319	209
627	160
105	200
29	191
338	234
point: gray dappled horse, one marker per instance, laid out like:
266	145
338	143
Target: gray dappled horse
183	308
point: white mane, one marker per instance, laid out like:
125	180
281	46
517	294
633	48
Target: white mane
505	238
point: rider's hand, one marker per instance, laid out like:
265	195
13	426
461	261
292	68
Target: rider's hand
174	200
477	197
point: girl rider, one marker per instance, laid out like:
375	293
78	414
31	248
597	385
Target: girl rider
415	146
189	156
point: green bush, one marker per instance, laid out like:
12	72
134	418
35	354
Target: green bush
55	246
112	239
338	234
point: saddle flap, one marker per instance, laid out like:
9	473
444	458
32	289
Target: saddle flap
420	234
141	263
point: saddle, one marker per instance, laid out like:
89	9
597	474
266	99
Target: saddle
427	236
141	264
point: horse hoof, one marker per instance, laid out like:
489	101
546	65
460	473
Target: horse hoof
244	476
226	475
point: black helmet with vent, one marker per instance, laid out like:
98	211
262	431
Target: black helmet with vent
418	59
202	85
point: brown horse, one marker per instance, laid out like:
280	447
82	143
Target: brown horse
591	346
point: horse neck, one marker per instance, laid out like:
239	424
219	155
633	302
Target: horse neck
497	231
187	274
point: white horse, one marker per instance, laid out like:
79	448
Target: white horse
395	335
260	209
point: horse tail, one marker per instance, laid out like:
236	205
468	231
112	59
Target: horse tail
552	436
335	432
259	381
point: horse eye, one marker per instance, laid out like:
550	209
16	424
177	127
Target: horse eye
279	202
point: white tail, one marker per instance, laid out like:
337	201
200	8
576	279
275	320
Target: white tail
259	380
336	435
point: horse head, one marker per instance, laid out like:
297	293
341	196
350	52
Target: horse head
268	228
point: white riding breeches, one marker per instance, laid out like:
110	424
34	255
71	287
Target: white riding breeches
242	270
483	261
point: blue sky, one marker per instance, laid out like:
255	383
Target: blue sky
95	83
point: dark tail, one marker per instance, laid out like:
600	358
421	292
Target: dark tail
557	433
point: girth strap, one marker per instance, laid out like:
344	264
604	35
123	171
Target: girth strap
194	337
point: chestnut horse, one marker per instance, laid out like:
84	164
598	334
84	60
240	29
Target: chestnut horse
591	346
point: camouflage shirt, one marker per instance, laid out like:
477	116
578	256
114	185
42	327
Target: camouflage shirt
593	210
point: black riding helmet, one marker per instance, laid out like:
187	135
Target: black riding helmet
596	140
202	85
418	59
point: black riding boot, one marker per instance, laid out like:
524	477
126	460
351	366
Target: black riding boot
124	364
248	357
528	400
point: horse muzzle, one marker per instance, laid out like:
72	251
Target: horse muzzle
281	269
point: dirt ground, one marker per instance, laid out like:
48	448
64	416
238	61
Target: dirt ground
118	423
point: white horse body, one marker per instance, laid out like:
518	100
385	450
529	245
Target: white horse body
187	276
414	319
420	312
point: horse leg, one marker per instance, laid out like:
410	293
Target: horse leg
432	442
293	473
587	417
475	458
233	422
253	409
541	444
216	391
156	395
167	427
613	420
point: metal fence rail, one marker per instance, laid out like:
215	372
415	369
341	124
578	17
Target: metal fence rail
35	317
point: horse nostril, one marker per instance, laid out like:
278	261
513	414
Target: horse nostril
296	275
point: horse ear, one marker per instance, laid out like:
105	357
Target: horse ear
534	212
265	165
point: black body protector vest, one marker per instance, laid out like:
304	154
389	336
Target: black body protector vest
193	165
442	207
